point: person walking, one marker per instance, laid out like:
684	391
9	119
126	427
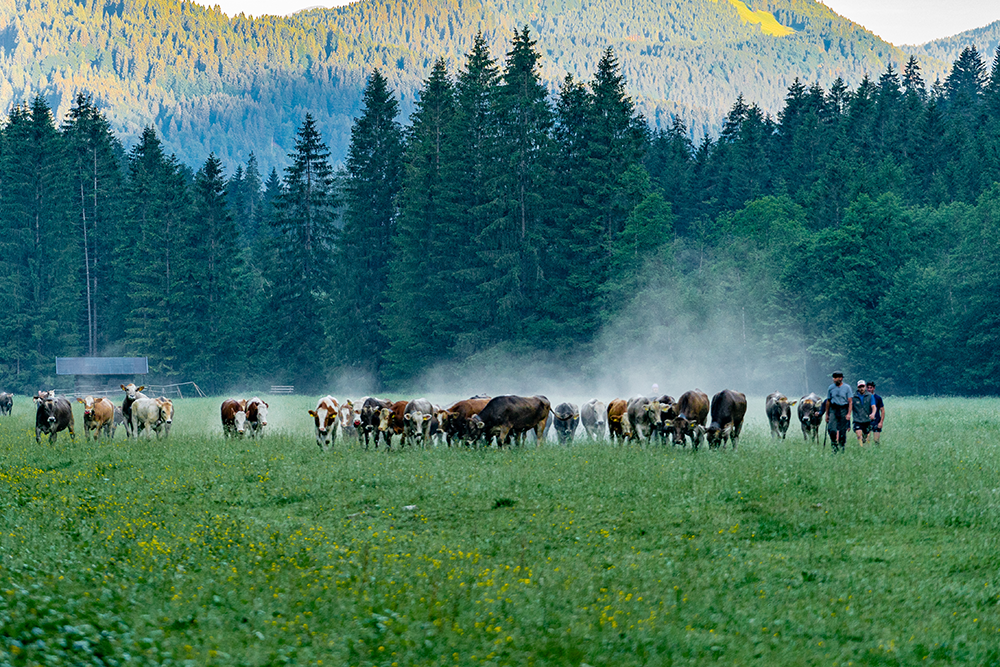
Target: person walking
861	412
878	414
837	407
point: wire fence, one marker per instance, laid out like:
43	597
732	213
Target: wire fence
175	390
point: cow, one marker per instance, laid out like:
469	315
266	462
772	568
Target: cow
644	416
728	409
369	418
668	410
565	419
594	416
325	421
692	413
392	422
132	394
256	416
41	395
510	417
98	415
152	414
347	419
810	415
51	416
779	414
619	426
417	416
6	403
234	417
455	421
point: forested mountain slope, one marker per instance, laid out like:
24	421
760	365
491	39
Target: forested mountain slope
985	39
210	83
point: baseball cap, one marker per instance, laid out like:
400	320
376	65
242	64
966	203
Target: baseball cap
861	383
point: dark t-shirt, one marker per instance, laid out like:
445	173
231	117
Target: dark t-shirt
879	405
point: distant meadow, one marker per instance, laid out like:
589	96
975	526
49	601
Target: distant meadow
209	551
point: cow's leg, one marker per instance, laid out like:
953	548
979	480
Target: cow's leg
38	436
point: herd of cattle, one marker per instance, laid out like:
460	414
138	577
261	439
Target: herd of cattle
477	420
138	412
507	419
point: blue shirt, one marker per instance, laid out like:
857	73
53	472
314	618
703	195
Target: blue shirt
879	405
838	395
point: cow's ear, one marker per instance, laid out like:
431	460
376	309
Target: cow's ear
427	418
313	413
80	400
407	416
793	402
141	388
123	388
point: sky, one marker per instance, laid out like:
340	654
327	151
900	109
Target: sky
897	21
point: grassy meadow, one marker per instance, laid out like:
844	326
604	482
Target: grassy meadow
204	551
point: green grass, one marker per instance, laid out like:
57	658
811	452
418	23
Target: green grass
240	552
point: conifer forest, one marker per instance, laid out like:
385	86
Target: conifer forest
858	228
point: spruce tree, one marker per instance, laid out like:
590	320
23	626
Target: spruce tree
422	265
299	265
374	170
39	253
95	156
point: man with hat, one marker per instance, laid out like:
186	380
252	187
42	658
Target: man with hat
861	411
838	406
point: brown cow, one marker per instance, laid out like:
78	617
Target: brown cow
234	417
619	426
325	419
392	421
692	412
98	414
511	417
455	420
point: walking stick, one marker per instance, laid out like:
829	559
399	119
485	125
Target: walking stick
825	431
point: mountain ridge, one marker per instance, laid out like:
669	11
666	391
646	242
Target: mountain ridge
210	83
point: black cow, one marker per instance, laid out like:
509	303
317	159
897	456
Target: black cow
6	403
779	414
810	416
51	416
565	418
728	409
692	412
132	394
506	417
370	417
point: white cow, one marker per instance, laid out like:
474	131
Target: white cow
152	414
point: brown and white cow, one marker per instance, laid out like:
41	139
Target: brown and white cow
234	417
619	426
256	416
692	413
325	421
132	394
810	415
98	415
779	414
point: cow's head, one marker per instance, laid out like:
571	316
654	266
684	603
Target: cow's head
166	410
324	417
653	413
346	416
414	421
384	419
88	405
261	412
240	421
680	426
131	390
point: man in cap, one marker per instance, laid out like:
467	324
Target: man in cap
861	411
838	406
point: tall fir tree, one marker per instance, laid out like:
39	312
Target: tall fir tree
374	171
157	212
509	244
422	264
95	156
299	265
40	255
